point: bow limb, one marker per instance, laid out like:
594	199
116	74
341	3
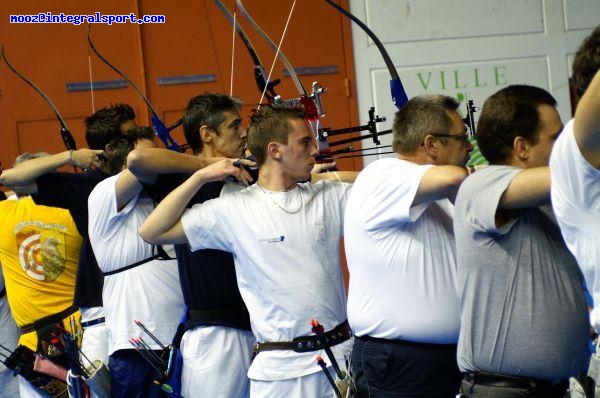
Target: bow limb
310	108
275	48
399	96
259	71
65	134
159	127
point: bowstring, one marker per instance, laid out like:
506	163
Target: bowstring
91	81
232	53
287	23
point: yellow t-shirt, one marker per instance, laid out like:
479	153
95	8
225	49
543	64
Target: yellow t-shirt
39	250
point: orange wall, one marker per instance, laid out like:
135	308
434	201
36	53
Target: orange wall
196	39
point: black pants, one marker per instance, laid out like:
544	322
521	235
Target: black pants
398	369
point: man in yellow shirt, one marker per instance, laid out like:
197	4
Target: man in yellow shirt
39	250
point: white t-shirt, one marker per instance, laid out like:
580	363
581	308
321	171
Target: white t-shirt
150	292
286	251
401	259
575	193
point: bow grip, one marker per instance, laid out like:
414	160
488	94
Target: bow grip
398	94
68	139
163	134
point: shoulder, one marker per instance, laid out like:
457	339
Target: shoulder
491	175
567	153
103	188
94	176
484	188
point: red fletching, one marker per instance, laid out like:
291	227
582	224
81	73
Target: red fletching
321	362
317	328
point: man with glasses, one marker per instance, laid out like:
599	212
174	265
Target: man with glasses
524	324
402	301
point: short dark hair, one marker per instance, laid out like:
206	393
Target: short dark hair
206	109
586	62
105	124
270	124
509	113
421	115
116	150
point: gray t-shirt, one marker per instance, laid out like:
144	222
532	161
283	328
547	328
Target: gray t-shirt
522	306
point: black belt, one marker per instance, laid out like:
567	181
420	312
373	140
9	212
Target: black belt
48	320
3	292
216	313
93	322
333	337
408	343
497	380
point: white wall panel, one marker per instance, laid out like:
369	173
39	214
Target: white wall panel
468	49
581	14
414	20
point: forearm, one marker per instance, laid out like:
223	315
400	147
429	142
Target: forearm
27	172
147	163
587	122
529	188
439	182
342	176
167	213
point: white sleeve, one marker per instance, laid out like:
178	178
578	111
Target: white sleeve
104	215
207	225
387	199
575	182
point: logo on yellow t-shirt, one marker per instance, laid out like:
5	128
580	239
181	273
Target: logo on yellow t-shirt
41	249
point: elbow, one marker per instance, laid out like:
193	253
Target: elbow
139	163
135	160
456	177
147	234
9	179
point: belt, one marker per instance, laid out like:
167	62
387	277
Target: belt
414	344
497	380
217	313
333	337
48	320
92	322
3	292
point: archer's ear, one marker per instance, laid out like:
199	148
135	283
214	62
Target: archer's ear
206	134
430	143
274	150
521	148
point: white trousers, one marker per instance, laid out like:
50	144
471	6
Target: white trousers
27	390
215	362
313	385
94	343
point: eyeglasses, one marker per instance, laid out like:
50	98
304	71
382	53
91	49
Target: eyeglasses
461	137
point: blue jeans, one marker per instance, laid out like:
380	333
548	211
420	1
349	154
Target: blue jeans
402	369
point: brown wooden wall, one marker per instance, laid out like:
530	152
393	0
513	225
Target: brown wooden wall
196	39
